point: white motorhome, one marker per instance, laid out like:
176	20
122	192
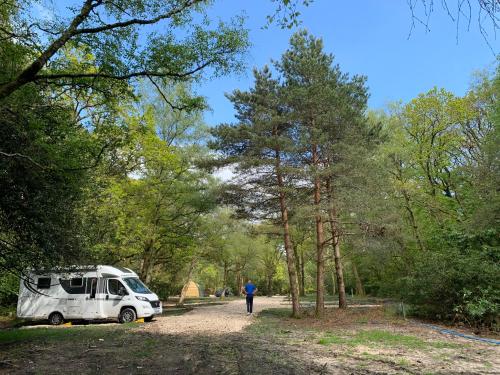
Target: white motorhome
88	293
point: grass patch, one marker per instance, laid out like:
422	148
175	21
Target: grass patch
373	357
351	300
384	338
332	339
276	313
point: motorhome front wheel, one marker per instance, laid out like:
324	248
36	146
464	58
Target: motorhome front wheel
127	315
56	318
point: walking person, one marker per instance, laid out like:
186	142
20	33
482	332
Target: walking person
249	290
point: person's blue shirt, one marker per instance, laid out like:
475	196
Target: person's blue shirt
250	289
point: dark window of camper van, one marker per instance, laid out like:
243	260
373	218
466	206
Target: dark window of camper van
114	287
43	283
76	282
73	287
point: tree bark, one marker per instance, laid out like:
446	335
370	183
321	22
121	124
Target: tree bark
226	273
360	290
334	283
239	283
289	250
146	264
332	216
302	275
320	239
270	285
413	222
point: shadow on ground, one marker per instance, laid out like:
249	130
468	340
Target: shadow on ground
125	350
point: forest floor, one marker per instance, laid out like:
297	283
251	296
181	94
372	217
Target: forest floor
222	339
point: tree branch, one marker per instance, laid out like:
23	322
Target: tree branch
28	74
137	21
142	73
17	155
173	106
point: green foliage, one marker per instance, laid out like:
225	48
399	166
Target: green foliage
375	338
435	202
459	278
44	157
9	286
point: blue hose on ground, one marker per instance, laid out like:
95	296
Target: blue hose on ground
455	333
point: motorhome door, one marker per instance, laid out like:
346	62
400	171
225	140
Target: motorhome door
91	305
113	300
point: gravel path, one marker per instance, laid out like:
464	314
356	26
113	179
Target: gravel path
216	319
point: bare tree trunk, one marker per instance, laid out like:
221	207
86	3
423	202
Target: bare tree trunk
334	283
270	285
146	264
226	273
332	216
360	290
290	253
339	271
320	240
239	283
302	275
188	279
413	222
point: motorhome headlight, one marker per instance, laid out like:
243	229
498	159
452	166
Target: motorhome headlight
140	298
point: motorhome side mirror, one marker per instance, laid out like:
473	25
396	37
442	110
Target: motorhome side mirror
122	292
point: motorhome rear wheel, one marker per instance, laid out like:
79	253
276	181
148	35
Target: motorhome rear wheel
56	318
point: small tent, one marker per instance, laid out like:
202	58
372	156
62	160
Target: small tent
193	290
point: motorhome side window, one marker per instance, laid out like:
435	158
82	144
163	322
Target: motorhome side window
73	285
76	282
114	286
43	283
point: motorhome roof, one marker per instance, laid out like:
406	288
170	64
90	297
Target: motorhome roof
88	268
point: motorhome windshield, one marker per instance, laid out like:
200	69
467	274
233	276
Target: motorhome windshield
136	285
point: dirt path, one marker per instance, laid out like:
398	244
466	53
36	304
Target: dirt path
220	319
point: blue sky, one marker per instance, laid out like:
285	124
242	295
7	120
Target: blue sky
368	37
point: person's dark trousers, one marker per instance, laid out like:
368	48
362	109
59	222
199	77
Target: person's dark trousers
249	304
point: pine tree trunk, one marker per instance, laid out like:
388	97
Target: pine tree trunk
332	216
302	275
290	253
320	240
360	290
339	271
297	266
334	283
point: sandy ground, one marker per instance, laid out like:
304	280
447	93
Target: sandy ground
221	319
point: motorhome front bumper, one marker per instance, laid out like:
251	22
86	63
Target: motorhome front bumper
157	308
150	308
